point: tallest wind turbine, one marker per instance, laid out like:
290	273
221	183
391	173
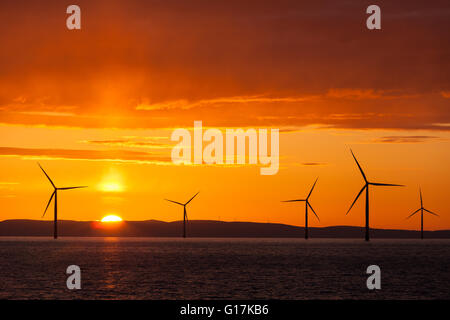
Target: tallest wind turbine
55	194
366	187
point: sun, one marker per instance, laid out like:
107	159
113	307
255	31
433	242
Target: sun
111	187
111	218
112	181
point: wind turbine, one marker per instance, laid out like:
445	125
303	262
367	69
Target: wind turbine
307	204
185	218
366	187
421	209
55	194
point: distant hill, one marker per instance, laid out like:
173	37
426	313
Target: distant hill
197	228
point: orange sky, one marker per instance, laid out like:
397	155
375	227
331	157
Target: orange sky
97	107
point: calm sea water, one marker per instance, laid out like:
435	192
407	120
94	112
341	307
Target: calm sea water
149	268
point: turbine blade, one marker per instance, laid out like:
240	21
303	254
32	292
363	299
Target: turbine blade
192	198
365	186
312	189
431	212
313	210
421	202
360	169
181	204
47	175
386	184
298	200
413	213
68	188
53	194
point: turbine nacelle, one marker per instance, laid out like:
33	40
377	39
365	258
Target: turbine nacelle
421	208
183	204
185	217
55	188
368	183
306	200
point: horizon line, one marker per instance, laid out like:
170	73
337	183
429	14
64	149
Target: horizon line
223	221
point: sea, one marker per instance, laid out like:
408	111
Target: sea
213	268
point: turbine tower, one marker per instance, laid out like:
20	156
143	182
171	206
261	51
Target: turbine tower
185	218
421	209
366	187
307	204
55	194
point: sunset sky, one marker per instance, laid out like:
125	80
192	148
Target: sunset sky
97	107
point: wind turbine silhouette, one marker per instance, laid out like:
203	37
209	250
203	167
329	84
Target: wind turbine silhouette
366	187
55	194
421	209
185	218
307	204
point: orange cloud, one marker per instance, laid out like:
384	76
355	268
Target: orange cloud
405	139
185	104
95	155
129	143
